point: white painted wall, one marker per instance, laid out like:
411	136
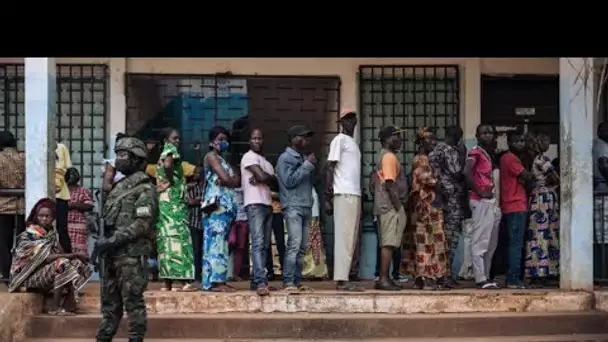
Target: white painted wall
345	68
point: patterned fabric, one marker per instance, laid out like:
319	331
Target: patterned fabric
12	176
29	268
173	238
187	168
315	265
195	214
445	162
215	247
542	247
79	194
425	254
216	227
77	221
79	237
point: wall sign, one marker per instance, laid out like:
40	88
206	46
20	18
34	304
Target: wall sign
525	111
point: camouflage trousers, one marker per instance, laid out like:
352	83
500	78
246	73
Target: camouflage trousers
124	283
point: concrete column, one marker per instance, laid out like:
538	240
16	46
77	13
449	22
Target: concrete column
576	92
470	99
40	109
118	102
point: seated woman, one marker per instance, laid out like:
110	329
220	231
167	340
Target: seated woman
39	262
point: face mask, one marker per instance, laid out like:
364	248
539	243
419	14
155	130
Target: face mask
124	166
222	146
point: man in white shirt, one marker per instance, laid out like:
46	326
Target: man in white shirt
343	198
256	174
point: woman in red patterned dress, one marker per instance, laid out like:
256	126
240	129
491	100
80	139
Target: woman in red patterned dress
80	202
427	256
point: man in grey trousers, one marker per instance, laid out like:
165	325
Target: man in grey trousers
484	206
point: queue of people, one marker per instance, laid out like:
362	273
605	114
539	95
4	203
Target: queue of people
208	213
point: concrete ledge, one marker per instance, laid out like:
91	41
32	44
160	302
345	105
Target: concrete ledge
16	312
601	300
334	326
405	302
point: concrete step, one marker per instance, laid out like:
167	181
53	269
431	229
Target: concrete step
371	301
334	326
552	338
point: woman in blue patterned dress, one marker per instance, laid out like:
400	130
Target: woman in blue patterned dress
542	247
220	208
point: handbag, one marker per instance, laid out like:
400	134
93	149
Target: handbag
210	205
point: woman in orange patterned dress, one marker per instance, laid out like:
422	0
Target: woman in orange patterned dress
427	253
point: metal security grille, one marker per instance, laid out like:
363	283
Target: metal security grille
81	113
196	103
408	97
82	93
12	88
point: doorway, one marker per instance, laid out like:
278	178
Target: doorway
531	101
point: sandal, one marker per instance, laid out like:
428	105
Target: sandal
304	288
60	312
350	287
440	286
189	288
222	288
290	289
262	291
424	284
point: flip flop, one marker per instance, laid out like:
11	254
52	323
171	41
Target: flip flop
189	288
223	288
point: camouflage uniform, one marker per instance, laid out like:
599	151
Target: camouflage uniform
129	214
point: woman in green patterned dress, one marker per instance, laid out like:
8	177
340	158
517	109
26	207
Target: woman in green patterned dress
174	243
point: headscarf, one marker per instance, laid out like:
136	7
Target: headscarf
421	134
34	245
42	203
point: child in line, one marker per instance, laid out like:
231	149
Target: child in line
195	218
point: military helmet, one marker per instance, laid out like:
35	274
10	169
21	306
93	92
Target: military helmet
133	145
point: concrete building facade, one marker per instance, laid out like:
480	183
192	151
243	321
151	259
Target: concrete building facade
94	98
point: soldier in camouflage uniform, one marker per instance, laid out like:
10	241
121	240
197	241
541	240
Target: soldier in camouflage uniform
129	214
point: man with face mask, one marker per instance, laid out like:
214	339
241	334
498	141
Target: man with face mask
129	214
294	173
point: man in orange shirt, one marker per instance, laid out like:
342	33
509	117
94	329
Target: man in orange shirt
390	199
